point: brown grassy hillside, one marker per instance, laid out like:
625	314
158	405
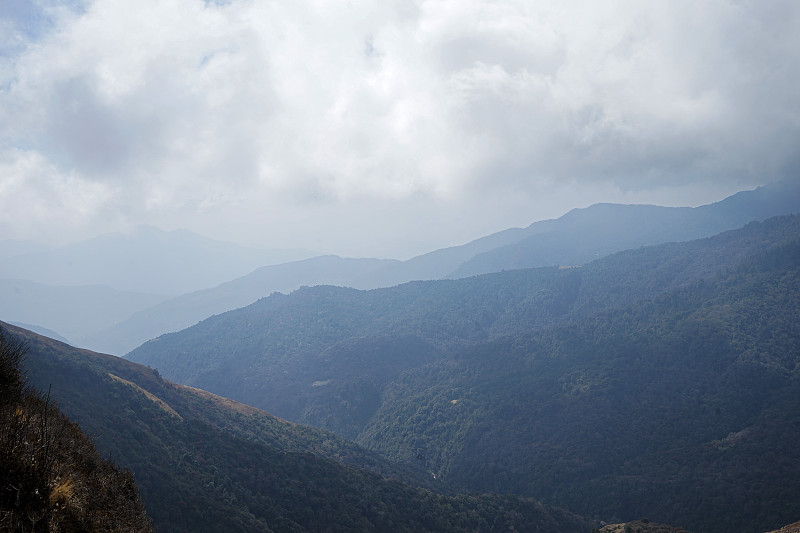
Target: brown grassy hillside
51	477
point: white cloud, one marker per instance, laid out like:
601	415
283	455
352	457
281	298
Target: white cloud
37	201
179	110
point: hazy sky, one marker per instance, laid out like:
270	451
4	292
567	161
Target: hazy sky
383	128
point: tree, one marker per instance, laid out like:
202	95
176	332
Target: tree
51	476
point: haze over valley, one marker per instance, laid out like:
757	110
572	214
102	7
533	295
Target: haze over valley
411	266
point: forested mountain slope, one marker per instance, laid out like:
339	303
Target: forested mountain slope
323	355
51	476
204	463
684	409
188	309
579	236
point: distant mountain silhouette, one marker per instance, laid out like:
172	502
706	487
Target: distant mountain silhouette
146	260
73	312
586	234
204	277
41	331
660	381
13	247
183	311
580	236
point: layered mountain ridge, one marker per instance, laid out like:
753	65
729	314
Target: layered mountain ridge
205	463
658	381
121	262
634	385
579	236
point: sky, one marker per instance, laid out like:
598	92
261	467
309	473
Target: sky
383	128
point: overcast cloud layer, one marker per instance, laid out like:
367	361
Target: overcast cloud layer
383	128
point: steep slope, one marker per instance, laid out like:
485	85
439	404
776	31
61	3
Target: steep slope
51	476
683	409
324	355
205	463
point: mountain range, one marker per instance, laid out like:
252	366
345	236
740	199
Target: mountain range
144	260
205	463
660	381
263	354
577	237
83	289
75	312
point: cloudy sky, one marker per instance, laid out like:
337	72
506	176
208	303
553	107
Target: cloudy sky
383	128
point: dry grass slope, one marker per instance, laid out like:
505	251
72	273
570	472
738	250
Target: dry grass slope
51	477
791	528
641	526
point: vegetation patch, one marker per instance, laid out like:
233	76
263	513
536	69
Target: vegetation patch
150	396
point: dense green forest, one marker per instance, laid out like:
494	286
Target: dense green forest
656	382
684	408
659	382
205	463
51	477
324	355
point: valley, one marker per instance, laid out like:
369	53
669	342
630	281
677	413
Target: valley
205	463
410	266
657	381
